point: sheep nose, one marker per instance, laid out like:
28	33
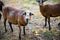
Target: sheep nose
40	5
27	20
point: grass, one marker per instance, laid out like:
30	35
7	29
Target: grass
55	1
30	2
53	34
27	1
34	3
25	7
48	34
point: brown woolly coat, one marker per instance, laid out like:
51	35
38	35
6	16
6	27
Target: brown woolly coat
50	10
14	16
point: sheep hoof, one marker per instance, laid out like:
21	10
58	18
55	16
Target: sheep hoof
58	24
24	34
19	38
12	31
44	26
5	30
49	29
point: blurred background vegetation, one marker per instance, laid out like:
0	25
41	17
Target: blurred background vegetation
26	4
26	1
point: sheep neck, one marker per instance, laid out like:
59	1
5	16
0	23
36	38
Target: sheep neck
43	9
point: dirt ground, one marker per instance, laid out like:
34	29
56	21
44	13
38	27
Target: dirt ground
36	24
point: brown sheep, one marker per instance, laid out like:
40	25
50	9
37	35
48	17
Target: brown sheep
15	16
49	11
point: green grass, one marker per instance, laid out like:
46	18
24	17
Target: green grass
30	2
25	7
48	34
33	2
54	1
27	1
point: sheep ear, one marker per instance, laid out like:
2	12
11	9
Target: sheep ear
44	0
31	14
24	13
1	3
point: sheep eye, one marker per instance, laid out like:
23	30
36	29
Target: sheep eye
31	14
24	13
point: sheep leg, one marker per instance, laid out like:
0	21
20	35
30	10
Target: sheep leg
49	23
45	21
24	30
11	26
5	25
19	29
19	32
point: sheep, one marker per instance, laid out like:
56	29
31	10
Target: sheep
1	5
17	17
49	11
